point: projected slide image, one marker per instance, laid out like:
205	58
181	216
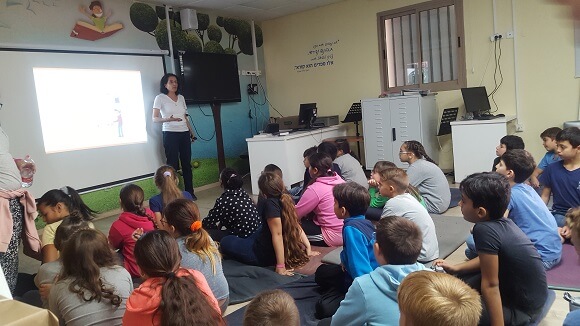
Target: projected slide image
89	108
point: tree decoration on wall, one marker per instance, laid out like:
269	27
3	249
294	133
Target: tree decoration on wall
29	5
206	38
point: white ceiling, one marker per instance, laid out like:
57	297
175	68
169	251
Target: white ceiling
257	10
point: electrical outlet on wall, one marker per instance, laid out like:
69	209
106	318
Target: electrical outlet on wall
495	37
519	127
252	89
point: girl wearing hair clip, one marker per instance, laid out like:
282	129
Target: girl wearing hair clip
316	206
166	180
198	251
169	292
53	207
233	210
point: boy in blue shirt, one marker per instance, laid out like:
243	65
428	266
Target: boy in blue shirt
372	298
508	271
549	142
527	209
351	201
562	179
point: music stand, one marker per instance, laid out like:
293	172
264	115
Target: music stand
446	118
355	115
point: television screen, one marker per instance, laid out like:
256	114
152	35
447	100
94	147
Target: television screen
209	78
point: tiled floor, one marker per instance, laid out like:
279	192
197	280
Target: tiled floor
206	198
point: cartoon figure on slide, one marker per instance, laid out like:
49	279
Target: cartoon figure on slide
99	28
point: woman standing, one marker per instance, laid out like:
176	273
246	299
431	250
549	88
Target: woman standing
169	108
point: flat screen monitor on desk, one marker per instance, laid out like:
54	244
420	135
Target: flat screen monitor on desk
476	101
307	115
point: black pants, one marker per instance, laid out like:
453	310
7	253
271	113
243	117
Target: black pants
178	149
331	279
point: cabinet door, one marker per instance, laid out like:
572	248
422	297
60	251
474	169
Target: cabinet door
376	131
405	125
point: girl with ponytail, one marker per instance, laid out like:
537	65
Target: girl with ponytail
167	182
233	210
170	295
426	176
54	206
316	206
198	251
134	216
280	241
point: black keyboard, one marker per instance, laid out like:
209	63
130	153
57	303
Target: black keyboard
485	117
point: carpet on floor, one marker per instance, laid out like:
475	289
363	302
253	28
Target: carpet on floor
451	233
565	275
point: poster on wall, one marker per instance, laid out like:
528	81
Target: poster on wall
320	55
98	27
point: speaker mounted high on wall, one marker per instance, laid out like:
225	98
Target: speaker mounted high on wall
188	19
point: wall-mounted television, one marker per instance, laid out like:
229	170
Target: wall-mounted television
209	78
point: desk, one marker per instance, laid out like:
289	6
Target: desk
474	143
286	152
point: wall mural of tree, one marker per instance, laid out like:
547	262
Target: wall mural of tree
206	38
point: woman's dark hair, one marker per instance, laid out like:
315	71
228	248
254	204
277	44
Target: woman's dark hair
67	228
182	302
164	81
417	148
489	190
323	163
83	255
71	199
231	179
328	148
272	186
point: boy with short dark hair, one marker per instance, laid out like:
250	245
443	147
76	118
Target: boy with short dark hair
508	271
351	201
507	143
548	137
437	299
562	179
527	209
393	185
372	298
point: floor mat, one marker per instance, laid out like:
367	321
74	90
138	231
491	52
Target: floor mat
451	233
246	281
315	261
565	275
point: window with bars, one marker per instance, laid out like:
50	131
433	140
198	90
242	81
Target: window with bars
421	46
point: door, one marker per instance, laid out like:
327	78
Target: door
405	125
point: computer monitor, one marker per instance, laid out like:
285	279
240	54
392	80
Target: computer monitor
307	115
476	100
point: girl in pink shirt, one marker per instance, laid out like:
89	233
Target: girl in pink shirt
316	206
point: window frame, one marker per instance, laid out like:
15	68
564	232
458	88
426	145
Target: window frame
455	84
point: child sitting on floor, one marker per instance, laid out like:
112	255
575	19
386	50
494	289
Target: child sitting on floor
54	206
270	308
507	143
573	223
198	251
526	209
233	213
372	298
315	208
426	176
351	201
280	241
166	180
169	292
437	299
508	271
562	179
349	166
134	216
394	183
548	137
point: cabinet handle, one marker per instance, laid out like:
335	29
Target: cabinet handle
394	134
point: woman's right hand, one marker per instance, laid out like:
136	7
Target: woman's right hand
172	118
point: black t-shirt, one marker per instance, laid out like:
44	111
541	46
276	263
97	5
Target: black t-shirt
522	278
263	247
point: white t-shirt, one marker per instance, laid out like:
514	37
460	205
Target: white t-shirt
168	107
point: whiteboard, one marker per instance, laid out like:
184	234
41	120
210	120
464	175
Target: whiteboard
82	168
